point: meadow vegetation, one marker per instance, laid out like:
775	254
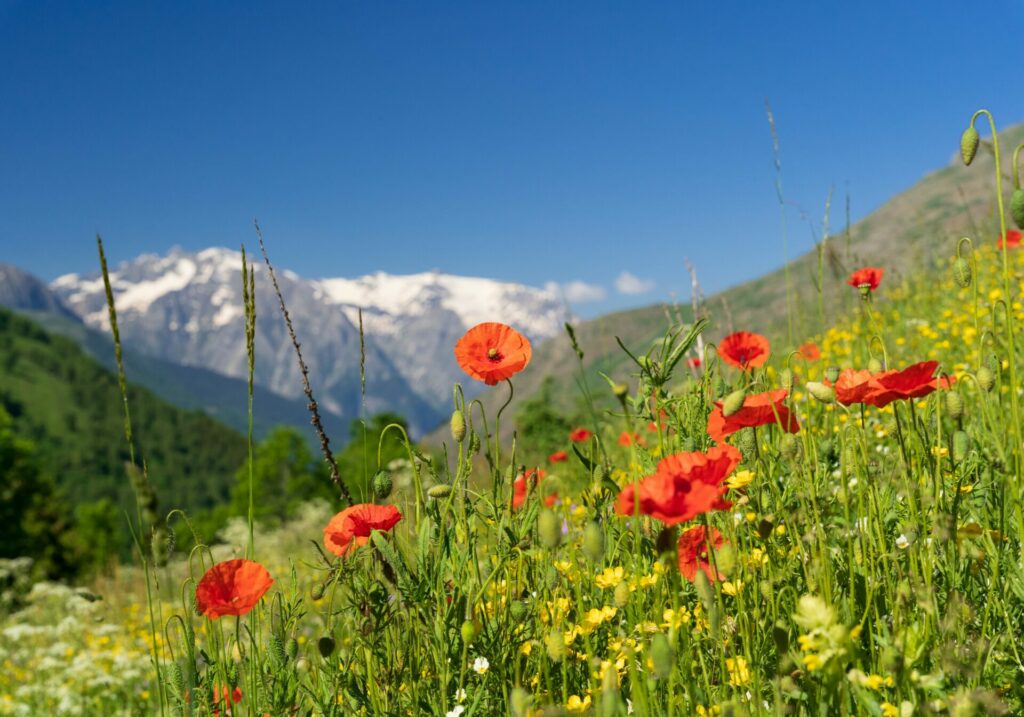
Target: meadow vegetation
832	527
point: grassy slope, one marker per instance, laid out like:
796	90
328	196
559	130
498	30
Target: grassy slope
70	407
906	233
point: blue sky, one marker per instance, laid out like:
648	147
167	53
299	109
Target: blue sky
591	142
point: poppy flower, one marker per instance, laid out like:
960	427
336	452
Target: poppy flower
869	275
229	698
693	362
1013	238
492	352
744	350
627	439
558	457
853	386
683	486
809	351
758	409
352	527
912	382
579	435
693	553
232	588
520	487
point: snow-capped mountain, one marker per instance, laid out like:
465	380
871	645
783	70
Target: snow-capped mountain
187	308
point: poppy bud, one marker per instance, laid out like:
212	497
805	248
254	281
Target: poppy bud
746	442
1017	207
832	373
725	559
960	445
326	646
317	593
874	365
954	405
474	444
593	542
786	379
555	646
176	680
720	387
439	491
160	545
549	529
381	484
962	273
733	402
519	701
986	379
552	578
458	426
518	610
276	650
704	591
865	291
468	632
610	693
620	390
662	656
621	595
823	393
302	665
788	447
291	648
969	141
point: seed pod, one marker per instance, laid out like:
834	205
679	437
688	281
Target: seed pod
593	542
733	402
549	529
621	594
786	379
788	447
986	379
969	141
439	491
954	405
555	646
326	646
961	443
832	373
823	393
382	484
962	273
1017	207
458	426
662	655
874	365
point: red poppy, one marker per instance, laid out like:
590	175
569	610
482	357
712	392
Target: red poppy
229	698
558	457
870	275
520	487
758	410
352	527
1012	239
579	435
652	426
693	362
809	351
693	553
492	352
744	350
912	382
627	439
853	386
232	588
683	486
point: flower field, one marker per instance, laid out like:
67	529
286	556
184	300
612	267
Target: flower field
829	528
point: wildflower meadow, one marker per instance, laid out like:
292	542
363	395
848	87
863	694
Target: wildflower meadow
822	524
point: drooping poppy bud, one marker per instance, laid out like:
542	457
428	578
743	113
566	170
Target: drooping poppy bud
960	445
788	446
439	491
962	273
276	649
823	393
662	655
325	645
382	484
458	426
874	365
786	379
620	390
518	610
733	402
986	379
1017	207
832	373
549	529
954	405
621	594
468	632
746	441
593	542
969	141
519	701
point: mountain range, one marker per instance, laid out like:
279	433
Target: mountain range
180	316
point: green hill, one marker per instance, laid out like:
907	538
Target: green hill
908	232
70	407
